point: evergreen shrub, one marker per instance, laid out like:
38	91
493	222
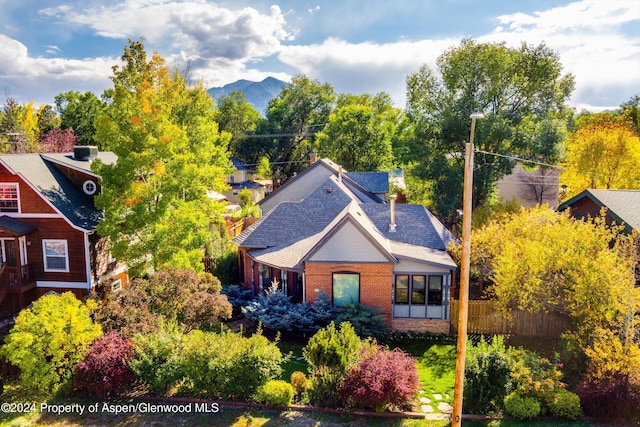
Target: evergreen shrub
276	393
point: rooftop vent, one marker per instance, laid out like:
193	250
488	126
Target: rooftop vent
85	152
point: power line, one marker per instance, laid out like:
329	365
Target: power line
520	159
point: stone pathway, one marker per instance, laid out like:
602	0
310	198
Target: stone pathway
427	404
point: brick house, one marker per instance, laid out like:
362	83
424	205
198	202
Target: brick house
48	239
346	241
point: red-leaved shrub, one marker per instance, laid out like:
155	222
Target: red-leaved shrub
104	370
381	379
616	398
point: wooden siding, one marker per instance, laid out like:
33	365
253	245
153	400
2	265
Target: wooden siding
78	177
485	319
57	228
30	201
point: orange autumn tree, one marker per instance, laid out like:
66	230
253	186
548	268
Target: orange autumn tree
603	153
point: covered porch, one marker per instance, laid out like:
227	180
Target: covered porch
17	280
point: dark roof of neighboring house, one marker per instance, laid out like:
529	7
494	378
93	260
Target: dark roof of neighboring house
251	185
15	226
376	182
622	205
239	164
55	187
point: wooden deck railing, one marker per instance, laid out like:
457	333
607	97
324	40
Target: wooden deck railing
9	275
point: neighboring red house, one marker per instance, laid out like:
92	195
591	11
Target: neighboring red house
48	239
333	235
621	206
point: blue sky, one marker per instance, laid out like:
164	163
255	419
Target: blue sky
357	46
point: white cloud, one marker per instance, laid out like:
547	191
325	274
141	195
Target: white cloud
21	74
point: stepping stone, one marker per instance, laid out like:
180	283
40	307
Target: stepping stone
437	396
445	407
425	400
427	409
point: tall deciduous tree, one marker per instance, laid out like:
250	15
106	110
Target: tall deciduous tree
604	152
79	111
522	94
170	153
359	132
238	117
301	109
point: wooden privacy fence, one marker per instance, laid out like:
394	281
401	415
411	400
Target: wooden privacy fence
485	319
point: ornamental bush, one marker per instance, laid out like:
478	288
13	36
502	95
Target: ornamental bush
48	340
276	393
521	407
385	378
366	321
565	404
331	353
486	376
275	311
105	372
228	365
299	383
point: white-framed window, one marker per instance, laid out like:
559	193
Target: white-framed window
116	285
56	255
89	187
9	199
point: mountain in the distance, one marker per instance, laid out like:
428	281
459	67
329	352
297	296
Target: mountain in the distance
258	93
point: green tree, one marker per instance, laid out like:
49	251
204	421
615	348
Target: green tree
79	111
359	132
604	152
300	109
522	94
238	117
13	134
170	153
48	339
47	120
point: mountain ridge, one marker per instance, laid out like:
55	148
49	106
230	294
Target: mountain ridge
258	93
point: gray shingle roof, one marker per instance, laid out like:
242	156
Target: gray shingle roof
56	187
414	225
15	226
625	204
288	232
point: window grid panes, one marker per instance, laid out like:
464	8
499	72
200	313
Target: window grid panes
412	289
9	197
55	255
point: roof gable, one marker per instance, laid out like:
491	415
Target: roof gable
622	205
55	188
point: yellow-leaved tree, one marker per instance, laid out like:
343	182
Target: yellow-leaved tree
603	153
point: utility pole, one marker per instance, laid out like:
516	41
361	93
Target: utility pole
463	299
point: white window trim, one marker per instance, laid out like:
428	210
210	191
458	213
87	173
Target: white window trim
44	255
86	187
17	187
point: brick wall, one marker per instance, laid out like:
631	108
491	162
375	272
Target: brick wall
375	282
436	326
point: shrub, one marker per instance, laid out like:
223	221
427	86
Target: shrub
366	321
276	393
331	352
381	379
299	383
226	267
487	376
104	371
157	358
521	407
565	404
48	340
612	396
275	311
227	365
177	295
238	297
